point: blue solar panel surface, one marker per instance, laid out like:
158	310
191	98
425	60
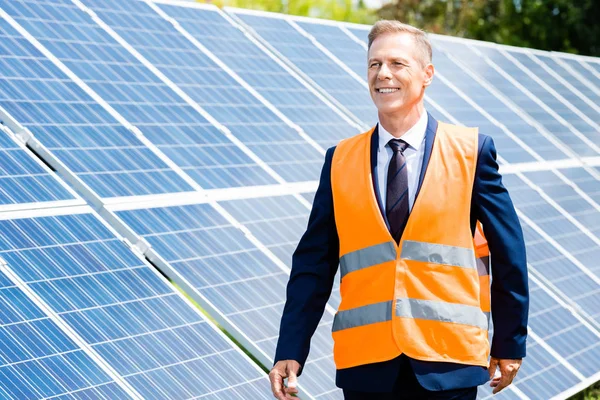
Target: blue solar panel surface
123	309
39	360
259	128
270	79
314	63
564	73
582	68
83	135
500	111
339	43
553	124
236	277
182	133
23	179
278	222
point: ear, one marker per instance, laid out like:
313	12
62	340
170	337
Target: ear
428	71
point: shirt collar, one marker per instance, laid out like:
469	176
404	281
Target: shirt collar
414	136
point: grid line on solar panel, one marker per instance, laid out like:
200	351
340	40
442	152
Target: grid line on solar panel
279	84
143	98
45	99
34	348
129	315
256	130
302	54
492	71
233	275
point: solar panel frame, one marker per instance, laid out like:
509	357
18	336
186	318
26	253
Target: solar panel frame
54	192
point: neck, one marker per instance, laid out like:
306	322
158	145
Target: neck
398	123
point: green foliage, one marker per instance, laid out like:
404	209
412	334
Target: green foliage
559	25
591	393
338	10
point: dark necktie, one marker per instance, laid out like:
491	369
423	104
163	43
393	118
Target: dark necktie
396	204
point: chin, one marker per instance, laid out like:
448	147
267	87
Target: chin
388	108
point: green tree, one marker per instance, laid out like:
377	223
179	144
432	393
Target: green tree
560	25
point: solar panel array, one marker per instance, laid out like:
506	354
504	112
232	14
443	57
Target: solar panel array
197	136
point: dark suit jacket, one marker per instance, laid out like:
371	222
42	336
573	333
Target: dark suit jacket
316	259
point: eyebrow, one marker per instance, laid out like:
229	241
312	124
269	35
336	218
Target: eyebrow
403	60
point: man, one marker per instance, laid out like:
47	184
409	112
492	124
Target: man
398	208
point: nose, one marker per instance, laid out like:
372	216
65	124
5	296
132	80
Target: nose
384	73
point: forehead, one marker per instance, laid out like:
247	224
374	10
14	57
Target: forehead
396	43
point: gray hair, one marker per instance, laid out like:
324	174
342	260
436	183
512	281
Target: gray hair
392	26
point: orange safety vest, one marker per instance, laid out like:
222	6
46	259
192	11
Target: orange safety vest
427	297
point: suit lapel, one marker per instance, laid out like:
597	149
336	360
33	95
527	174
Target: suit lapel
432	125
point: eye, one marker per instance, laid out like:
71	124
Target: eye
374	64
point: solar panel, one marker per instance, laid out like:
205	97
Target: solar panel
39	360
584	113
579	65
303	53
259	128
298	102
579	83
342	45
181	132
237	282
278	222
82	134
23	178
124	310
541	105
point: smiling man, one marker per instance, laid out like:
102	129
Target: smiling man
402	209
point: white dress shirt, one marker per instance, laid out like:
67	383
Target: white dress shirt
415	137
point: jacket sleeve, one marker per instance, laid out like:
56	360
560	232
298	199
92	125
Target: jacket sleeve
509	291
314	265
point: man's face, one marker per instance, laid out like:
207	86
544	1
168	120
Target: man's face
397	79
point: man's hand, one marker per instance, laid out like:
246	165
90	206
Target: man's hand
284	369
508	371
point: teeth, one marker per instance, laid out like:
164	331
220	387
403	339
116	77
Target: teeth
387	90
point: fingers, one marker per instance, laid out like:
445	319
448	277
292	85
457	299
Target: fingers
508	371
281	370
292	382
276	378
492	367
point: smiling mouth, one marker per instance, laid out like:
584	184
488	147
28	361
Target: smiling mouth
387	90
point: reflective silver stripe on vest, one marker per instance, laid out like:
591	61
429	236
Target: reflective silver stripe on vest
367	257
434	310
438	254
365	315
483	266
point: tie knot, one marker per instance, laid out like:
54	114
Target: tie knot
398	145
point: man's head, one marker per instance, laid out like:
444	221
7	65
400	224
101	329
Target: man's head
399	66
